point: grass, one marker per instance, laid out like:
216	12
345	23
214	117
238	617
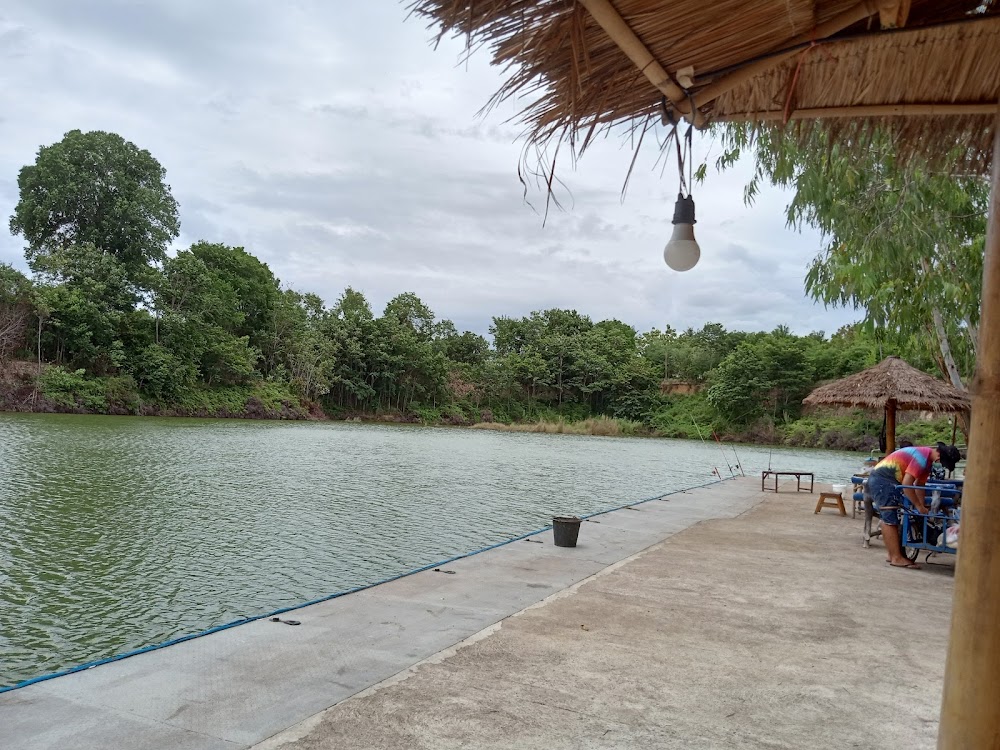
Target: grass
606	426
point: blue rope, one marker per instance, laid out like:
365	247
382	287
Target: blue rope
338	594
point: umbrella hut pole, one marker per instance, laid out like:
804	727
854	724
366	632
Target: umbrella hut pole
890	426
969	716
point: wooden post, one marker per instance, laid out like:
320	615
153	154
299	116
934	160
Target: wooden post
969	711
890	426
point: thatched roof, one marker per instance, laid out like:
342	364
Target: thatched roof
927	69
890	380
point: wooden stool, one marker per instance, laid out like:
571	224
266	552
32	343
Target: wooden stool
831	500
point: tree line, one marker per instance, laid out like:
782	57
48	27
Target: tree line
112	322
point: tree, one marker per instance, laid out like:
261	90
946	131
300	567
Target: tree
413	370
96	188
739	385
358	352
15	310
903	242
257	294
655	346
88	299
305	351
466	348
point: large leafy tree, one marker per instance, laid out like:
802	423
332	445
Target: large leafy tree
256	292
202	319
902	242
89	300
307	354
358	351
96	188
413	369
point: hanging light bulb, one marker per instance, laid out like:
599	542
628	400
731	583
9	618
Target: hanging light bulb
682	251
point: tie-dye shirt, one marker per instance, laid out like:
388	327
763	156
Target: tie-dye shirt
915	461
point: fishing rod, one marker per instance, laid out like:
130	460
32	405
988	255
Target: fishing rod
715	469
719	441
739	464
731	472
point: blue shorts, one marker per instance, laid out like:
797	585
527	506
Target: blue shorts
885	497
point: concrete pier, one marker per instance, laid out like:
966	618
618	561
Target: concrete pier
767	626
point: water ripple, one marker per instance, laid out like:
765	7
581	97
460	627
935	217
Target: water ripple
116	533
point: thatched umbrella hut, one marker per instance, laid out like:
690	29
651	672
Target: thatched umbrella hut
926	71
890	386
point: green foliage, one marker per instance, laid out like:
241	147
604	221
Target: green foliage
160	373
690	417
95	188
904	243
124	328
855	431
426	414
15	287
72	389
121	394
739	384
925	433
261	399
16	310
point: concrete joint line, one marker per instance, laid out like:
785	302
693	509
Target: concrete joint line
305	727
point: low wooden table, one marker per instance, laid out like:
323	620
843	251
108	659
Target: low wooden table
798	479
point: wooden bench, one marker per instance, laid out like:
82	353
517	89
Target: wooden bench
831	500
798	479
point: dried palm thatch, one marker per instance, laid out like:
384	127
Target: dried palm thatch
927	70
892	381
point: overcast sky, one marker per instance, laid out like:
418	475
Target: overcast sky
332	141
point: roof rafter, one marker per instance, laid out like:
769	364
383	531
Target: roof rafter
895	15
621	33
873	110
861	11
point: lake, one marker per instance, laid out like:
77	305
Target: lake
121	532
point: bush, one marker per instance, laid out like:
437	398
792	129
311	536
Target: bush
925	433
689	417
606	426
261	400
161	374
72	390
426	414
121	395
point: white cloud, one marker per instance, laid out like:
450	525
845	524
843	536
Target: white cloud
332	141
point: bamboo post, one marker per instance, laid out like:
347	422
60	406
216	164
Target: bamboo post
890	426
969	711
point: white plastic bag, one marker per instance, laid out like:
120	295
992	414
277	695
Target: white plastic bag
951	536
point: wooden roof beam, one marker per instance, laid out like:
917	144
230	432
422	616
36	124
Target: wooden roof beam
622	34
861	11
870	110
894	16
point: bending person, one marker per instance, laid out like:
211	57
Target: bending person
910	467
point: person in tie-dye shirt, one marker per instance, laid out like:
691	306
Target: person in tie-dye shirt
911	467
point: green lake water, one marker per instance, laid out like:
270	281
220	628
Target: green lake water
121	532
